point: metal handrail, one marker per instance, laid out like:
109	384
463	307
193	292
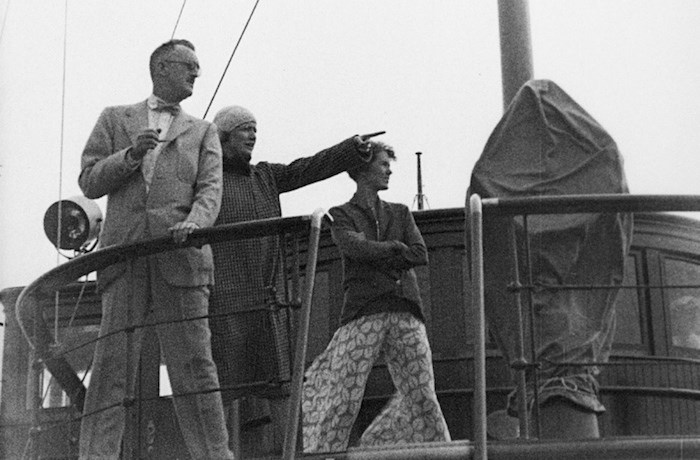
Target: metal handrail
552	204
605	203
29	303
290	437
477	296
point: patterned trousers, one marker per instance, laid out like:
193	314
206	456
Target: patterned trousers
335	384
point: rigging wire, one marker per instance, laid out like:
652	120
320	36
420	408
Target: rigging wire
60	155
231	58
4	20
177	22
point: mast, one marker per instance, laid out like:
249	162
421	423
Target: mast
516	70
419	197
516	46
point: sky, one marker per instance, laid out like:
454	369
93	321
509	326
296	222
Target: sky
315	72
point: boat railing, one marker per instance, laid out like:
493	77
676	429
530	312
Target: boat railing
480	208
31	303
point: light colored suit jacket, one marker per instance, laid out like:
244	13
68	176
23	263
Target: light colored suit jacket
186	185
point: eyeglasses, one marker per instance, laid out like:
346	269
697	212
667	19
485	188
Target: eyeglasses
191	66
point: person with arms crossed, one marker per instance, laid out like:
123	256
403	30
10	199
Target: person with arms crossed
160	169
381	318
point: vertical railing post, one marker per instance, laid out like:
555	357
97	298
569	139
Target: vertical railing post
533	346
130	439
477	298
520	364
294	408
34	402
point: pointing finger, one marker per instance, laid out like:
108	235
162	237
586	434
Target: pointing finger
364	137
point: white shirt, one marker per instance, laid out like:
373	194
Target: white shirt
158	120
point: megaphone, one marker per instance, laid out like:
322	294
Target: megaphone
73	222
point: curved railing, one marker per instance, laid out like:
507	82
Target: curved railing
477	208
29	303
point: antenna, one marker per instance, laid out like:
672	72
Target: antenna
420	198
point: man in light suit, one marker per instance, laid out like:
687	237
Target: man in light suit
161	170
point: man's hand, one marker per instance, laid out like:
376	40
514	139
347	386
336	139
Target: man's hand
181	231
146	140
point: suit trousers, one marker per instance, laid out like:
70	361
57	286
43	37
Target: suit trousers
141	297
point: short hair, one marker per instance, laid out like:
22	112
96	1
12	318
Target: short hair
164	49
374	148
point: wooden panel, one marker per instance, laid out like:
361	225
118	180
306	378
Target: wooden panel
319	325
447	330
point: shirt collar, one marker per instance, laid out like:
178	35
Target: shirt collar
159	105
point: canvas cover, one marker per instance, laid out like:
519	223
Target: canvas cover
547	144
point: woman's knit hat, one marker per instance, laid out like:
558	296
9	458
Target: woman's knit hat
229	118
